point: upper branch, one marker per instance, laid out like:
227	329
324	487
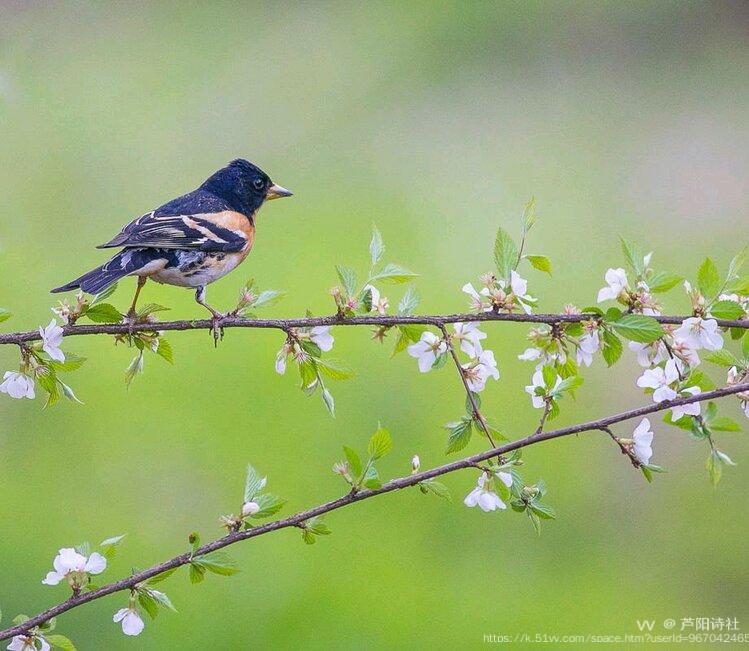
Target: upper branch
20	338
396	484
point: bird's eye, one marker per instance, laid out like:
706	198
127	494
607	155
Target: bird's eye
259	184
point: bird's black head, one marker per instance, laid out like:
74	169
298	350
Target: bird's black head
244	186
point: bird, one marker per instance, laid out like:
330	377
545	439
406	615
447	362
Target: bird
190	241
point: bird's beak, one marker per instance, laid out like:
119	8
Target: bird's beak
276	192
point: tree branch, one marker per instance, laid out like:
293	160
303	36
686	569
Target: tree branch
128	583
20	338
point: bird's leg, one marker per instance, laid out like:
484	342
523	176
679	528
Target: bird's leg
131	312
218	331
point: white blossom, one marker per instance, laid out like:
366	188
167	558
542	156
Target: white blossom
470	337
685	352
700	333
692	409
649	354
485	367
642	438
51	340
484	496
281	362
69	561
531	354
616	280
27	642
588	345
132	623
379	304
477	302
519	287
660	379
427	350
321	336
538	381
17	385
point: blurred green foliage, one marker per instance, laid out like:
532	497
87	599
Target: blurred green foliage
437	121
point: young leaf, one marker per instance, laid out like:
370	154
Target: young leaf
164	349
253	484
103	313
612	348
632	255
459	435
663	281
726	310
505	253
60	642
380	444
376	246
327	398
722	357
540	262
409	302
436	488
347	277
354	461
638	327
708	279
394	274
217	562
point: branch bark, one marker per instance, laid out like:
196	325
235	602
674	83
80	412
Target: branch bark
20	338
602	424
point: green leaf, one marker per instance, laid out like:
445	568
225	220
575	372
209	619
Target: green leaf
569	384
109	546
308	537
268	297
103	295
253	484
376	246
329	401
394	274
714	467
347	277
633	255
436	488
708	279
724	424
197	572
736	264
4	315
612	348
103	313
354	461
72	363
543	511
148	603
540	262
738	286
333	369
60	641
529	214
151	308
161	577
638	327
722	357
505	253
459	435
164	349
409	302
217	562
318	527
380	444
726	310
662	281
269	505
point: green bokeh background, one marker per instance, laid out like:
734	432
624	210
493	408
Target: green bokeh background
437	121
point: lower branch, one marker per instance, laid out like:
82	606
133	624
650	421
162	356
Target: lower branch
350	498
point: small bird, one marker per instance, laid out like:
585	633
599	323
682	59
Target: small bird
192	240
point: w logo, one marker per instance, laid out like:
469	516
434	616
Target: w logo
644	624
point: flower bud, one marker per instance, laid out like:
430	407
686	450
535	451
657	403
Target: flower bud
415	463
250	508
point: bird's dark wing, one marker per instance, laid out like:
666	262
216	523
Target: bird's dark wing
224	231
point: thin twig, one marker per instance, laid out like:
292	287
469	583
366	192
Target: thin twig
17	338
350	498
477	415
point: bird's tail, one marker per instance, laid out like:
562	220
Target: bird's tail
97	280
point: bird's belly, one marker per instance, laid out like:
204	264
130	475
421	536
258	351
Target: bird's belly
195	268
